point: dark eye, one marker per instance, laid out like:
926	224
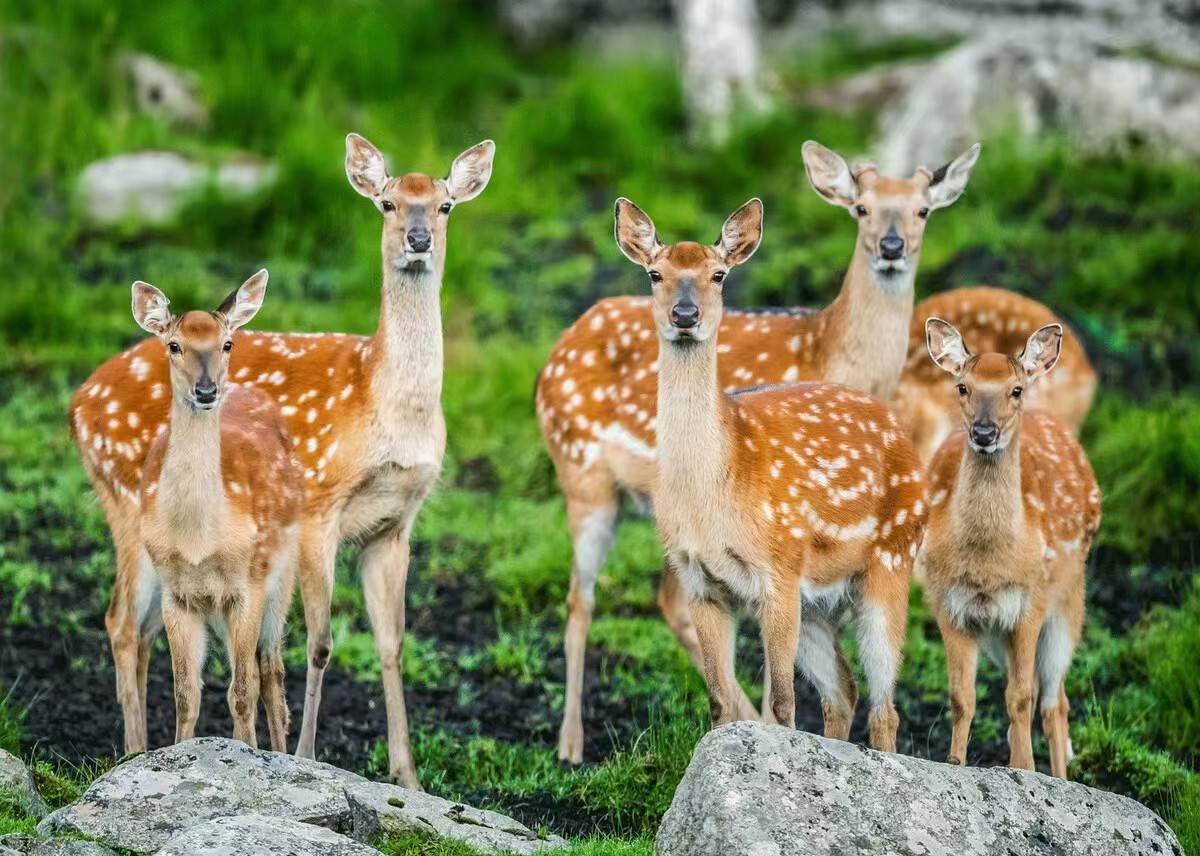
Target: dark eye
228	346
174	348
446	206
719	276
962	389
1016	393
923	213
655	276
387	207
860	210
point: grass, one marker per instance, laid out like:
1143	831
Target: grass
1107	241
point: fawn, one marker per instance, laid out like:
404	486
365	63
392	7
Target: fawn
597	395
365	417
1013	510
775	497
220	510
994	320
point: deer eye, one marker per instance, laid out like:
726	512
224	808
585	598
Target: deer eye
228	346
655	276
860	210
923	213
446	206
174	348
1016	393
962	389
387	207
719	276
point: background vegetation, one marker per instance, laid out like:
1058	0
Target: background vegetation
1108	241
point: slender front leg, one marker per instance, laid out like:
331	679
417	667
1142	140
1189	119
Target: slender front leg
780	619
1018	697
673	603
384	574
187	638
245	621
123	625
714	626
318	550
962	658
271	676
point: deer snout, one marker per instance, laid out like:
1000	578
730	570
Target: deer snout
419	239
984	434
891	245
205	391
685	315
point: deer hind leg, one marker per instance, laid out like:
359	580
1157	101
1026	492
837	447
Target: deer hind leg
781	622
385	574
271	673
318	550
824	666
188	639
962	660
1018	696
134	600
592	517
882	612
1056	645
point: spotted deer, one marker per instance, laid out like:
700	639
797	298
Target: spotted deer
994	320
792	499
597	394
1013	510
221	496
365	417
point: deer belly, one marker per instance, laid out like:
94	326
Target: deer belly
721	574
207	588
388	498
976	610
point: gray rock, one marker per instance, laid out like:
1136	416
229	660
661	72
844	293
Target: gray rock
164	90
153	187
764	790
17	780
379	808
255	835
143	803
28	845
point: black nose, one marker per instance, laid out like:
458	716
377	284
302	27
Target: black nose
419	240
984	434
891	246
685	315
206	392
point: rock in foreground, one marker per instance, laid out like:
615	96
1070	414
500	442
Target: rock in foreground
772	791
143	803
16	779
253	835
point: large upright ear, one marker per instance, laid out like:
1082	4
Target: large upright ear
829	174
742	233
635	233
365	167
150	308
949	181
245	301
945	345
1041	351
470	171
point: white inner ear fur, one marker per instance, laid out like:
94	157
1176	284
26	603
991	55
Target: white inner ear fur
945	346
471	171
249	300
829	175
150	308
365	167
954	182
636	235
739	240
1042	351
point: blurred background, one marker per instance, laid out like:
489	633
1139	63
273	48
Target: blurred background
189	144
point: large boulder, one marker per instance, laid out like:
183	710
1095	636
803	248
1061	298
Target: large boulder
255	835
764	790
29	845
379	808
16	780
146	801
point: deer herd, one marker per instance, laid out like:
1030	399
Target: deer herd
799	465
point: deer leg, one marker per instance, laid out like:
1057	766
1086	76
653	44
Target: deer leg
714	626
824	666
318	550
271	673
962	659
672	601
245	622
1018	696
780	619
882	614
593	523
1054	651
384	574
188	639
124	620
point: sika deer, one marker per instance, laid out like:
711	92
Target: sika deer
1014	508
995	321
597	395
220	512
775	497
366	422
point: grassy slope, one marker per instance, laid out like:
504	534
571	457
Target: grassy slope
1107	241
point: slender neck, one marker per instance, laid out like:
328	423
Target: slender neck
987	495
406	357
191	488
693	448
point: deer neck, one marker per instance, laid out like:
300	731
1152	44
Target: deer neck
987	504
191	490
693	446
866	328
405	364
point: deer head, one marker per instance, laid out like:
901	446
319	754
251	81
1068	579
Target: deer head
686	278
415	207
891	212
198	343
991	387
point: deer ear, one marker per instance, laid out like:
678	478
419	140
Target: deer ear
365	167
829	174
948	182
245	301
150	308
945	346
742	233
470	171
1041	351
635	233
